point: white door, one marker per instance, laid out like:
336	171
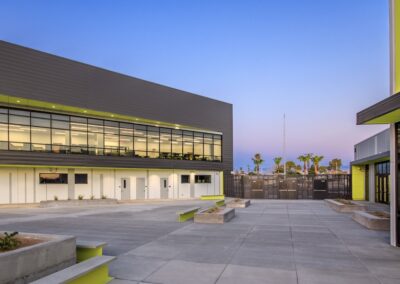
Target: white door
125	189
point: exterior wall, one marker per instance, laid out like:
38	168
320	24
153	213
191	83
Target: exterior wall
22	185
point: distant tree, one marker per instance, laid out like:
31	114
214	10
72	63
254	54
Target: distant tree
335	165
316	160
308	158
323	169
277	162
258	161
290	167
303	159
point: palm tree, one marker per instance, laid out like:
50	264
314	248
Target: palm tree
316	159
277	162
290	167
308	158
257	162
303	159
335	165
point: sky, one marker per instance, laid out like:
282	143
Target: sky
317	61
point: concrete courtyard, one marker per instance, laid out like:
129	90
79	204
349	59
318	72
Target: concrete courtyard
272	241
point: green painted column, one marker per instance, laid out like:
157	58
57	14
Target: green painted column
358	182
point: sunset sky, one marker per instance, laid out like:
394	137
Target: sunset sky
320	62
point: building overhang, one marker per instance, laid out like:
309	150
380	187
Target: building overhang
381	157
384	112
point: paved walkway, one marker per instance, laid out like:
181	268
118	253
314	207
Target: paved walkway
272	241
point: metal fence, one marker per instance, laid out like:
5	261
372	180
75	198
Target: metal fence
297	187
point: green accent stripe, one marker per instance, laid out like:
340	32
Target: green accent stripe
212	197
186	216
391	117
97	276
86	253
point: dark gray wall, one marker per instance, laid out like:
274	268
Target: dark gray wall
32	74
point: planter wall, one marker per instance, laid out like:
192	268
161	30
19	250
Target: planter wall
33	262
372	221
238	204
77	202
344	208
224	215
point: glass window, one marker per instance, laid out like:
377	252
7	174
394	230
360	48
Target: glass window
53	178
187	145
177	144
111	145
19	112
217	140
3	137
19	137
185	179
95	125
40	115
19	120
40	122
60	124
153	142
40	131
111	127
126	145
60	117
198	146
3	132
79	142
60	141
202	179
40	139
126	129
165	143
81	178
208	147
78	126
4	118
96	143
140	141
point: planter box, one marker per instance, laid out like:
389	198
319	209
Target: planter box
242	203
77	202
344	208
29	263
372	221
220	217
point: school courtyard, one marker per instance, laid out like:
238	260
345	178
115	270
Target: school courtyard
271	241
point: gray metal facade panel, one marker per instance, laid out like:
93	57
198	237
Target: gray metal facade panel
372	146
48	159
36	75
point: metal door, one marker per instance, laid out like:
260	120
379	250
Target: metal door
125	189
140	188
163	188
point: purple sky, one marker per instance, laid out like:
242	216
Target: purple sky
317	61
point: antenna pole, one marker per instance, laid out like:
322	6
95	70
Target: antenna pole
284	145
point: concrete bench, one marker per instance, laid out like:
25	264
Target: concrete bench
220	202
93	271
187	214
88	249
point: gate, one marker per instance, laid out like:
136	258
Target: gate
293	187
